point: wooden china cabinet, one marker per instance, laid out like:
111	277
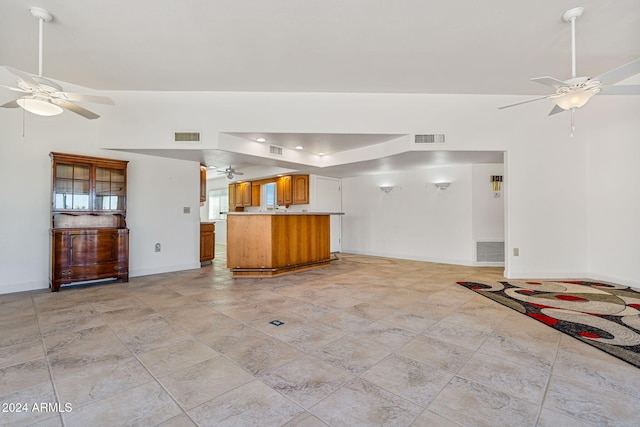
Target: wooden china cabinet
89	235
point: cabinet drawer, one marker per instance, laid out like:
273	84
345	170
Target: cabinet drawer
90	272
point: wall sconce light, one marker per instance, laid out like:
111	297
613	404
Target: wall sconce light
386	188
442	185
496	181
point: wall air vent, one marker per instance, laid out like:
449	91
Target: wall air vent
490	252
432	138
274	150
186	137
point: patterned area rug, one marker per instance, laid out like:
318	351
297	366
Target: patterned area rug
604	315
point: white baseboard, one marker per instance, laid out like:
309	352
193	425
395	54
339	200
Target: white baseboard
411	257
11	288
163	269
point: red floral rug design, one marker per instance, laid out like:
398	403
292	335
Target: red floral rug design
604	315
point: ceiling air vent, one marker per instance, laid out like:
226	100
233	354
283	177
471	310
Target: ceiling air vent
274	150
186	137
433	138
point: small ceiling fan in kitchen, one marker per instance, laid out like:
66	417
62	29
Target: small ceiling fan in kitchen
229	172
575	92
42	96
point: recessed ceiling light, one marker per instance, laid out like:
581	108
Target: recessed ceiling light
261	139
320	154
299	147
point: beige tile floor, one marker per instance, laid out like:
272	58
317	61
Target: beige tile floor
365	342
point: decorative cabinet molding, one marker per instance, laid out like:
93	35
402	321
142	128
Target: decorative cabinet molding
89	238
284	191
300	189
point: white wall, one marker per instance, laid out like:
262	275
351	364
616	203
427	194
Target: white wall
488	211
413	221
613	196
157	191
547	196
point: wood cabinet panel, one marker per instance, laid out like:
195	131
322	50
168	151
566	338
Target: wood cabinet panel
89	238
88	254
245	193
207	242
300	190
293	190
203	185
249	241
262	245
232	197
283	190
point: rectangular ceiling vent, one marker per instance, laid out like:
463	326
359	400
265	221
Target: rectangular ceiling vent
274	150
433	138
490	252
186	137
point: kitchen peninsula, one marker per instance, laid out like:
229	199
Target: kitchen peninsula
264	244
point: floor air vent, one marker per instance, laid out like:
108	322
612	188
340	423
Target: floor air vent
274	150
432	138
186	137
490	252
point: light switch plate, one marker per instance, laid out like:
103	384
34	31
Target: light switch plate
186	210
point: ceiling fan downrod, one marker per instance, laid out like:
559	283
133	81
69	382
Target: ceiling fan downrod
43	16
570	16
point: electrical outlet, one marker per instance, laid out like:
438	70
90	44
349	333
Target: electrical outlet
516	251
158	247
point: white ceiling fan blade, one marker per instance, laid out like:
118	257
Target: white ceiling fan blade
549	81
620	90
25	77
620	73
17	89
238	173
524	102
77	109
556	110
10	104
80	97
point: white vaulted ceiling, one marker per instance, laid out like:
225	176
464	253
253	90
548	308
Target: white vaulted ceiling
407	46
352	46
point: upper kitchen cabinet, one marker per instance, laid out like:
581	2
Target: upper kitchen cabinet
243	194
300	189
284	191
203	185
293	190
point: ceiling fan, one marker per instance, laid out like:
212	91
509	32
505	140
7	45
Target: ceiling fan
229	172
42	96
576	91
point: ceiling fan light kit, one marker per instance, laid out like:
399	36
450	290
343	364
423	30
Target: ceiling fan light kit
575	92
42	96
41	107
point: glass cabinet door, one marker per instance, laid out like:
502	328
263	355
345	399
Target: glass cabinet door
110	189
72	187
